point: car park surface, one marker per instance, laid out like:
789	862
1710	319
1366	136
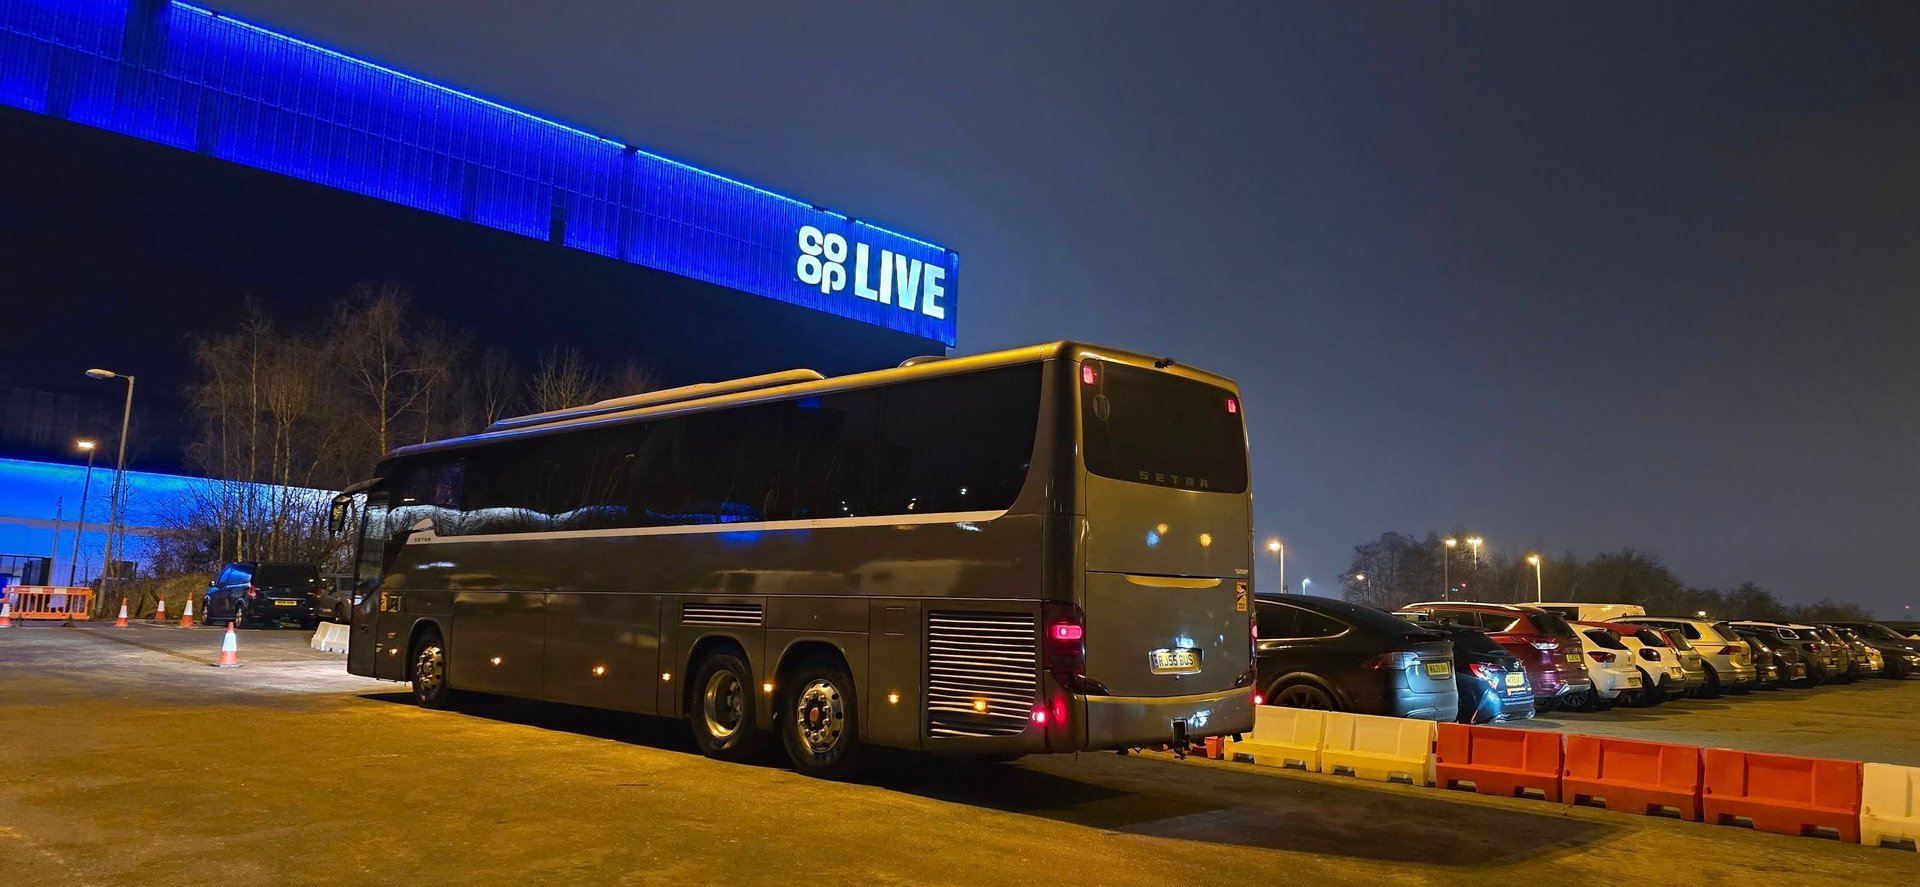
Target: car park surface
108	783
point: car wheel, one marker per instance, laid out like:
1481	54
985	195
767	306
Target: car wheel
1304	695
1587	700
722	709
427	671
1650	691
1712	688
822	730
340	615
239	618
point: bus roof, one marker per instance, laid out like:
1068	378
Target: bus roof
806	383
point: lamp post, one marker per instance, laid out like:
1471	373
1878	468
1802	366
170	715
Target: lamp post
1474	543
115	540
1279	550
1303	585
80	529
1446	566
1539	593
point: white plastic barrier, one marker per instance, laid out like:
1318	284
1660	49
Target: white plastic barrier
1377	748
331	637
1282	737
1889	805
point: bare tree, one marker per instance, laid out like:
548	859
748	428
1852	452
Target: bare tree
634	377
495	382
563	380
369	338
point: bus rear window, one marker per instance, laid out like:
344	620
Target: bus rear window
1154	427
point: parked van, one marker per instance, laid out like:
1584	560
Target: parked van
1591	612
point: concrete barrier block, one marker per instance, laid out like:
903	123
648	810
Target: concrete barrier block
1282	737
330	637
1890	806
1378	748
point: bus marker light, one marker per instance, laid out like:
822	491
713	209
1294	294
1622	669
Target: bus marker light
1087	375
599	670
893	699
1206	540
666	676
1259	699
1067	631
496	661
979	705
1233	406
1040	716
766	687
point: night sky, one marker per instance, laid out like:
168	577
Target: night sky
1627	275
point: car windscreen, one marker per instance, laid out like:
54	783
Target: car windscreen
1879	632
1153	427
290	576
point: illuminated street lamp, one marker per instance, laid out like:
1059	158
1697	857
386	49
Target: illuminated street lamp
86	446
115	538
1279	549
1474	543
1303	585
1446	566
1539	593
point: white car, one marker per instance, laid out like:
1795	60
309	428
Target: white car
1616	677
1579	612
1726	658
1662	677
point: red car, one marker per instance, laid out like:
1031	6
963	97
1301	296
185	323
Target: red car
1543	641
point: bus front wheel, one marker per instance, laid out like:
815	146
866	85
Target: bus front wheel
722	709
427	670
821	729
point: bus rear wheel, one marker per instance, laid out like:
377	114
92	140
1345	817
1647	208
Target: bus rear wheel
822	720
722	713
427	670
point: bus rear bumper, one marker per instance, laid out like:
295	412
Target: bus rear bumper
1136	721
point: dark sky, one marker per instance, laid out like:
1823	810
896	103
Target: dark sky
1626	275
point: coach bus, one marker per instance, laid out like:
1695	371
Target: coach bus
1037	550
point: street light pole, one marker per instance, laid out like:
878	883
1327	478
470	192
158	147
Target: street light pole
1474	543
1303	585
116	534
80	529
1539	592
1446	567
1279	549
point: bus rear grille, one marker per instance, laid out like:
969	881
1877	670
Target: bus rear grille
747	615
982	673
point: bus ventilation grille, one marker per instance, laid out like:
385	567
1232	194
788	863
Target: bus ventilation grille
983	673
746	615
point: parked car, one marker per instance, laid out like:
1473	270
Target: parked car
1491	681
1770	671
1616	677
1690	661
1661	677
1724	657
1902	653
1328	654
1543	641
1577	612
1846	665
338	596
1817	659
1909	630
249	593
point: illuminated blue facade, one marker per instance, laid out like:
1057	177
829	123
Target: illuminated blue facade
183	76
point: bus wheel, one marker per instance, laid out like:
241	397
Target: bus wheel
722	709
427	669
822	733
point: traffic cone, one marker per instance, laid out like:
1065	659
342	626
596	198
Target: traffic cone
160	611
230	649
6	613
186	619
122	621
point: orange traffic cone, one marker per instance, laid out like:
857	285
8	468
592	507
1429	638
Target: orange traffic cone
6	613
230	649
186	619
160	611
122	621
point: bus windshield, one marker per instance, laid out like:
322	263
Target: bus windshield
1154	427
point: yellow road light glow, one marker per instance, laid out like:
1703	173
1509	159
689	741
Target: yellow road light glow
1451	542
1274	546
893	699
599	670
1533	559
1161	529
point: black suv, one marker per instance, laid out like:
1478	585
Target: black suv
254	593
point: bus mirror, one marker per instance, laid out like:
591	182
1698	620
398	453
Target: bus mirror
337	516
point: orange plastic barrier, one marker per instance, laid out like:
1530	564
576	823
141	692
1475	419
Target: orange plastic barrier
1631	776
50	602
1498	760
1782	793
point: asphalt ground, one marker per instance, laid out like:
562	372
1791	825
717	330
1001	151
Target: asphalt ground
129	759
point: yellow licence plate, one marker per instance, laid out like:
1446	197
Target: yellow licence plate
1516	679
286	603
1174	661
1439	669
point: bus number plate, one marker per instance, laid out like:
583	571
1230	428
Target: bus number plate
1177	660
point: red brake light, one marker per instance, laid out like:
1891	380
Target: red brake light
253	591
1066	631
1233	406
1065	647
1259	699
1087	374
1040	716
1600	655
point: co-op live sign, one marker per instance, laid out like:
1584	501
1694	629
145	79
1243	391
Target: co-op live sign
207	83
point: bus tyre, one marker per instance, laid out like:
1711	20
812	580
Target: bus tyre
822	720
427	670
722	713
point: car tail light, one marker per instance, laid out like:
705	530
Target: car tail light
253	591
1732	651
1492	674
1066	647
1259	699
1394	661
1600	655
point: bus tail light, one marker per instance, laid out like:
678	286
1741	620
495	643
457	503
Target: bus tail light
1087	374
1065	647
